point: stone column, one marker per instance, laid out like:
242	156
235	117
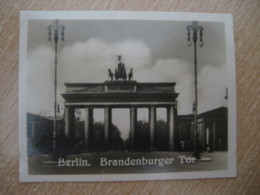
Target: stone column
133	119
171	126
207	139
69	122
66	121
202	131
107	125
214	136
88	125
152	124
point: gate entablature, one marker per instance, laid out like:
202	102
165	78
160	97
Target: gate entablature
119	93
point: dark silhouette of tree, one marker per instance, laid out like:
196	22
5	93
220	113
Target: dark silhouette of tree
96	141
39	134
127	142
162	136
116	141
96	138
142	137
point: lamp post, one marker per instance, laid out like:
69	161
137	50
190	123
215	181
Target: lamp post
55	29
193	31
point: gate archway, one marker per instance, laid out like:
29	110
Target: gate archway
120	94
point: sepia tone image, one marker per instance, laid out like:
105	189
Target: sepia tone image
126	96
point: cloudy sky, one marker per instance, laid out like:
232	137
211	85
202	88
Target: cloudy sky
156	50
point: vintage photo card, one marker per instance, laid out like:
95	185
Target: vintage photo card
120	96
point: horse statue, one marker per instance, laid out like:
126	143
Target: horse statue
110	74
130	75
120	72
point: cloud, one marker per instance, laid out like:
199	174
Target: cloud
40	77
212	81
88	62
135	54
163	70
171	70
81	62
212	84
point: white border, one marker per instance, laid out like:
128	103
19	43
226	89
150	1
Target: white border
25	16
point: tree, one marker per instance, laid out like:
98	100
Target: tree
142	137
162	136
116	143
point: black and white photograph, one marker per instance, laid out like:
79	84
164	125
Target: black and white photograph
120	96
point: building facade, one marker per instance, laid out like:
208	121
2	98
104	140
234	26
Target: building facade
120	94
212	127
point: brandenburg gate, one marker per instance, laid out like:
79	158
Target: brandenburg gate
120	93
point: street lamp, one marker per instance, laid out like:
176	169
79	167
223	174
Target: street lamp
55	29
195	29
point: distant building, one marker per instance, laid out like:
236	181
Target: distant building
212	127
39	134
